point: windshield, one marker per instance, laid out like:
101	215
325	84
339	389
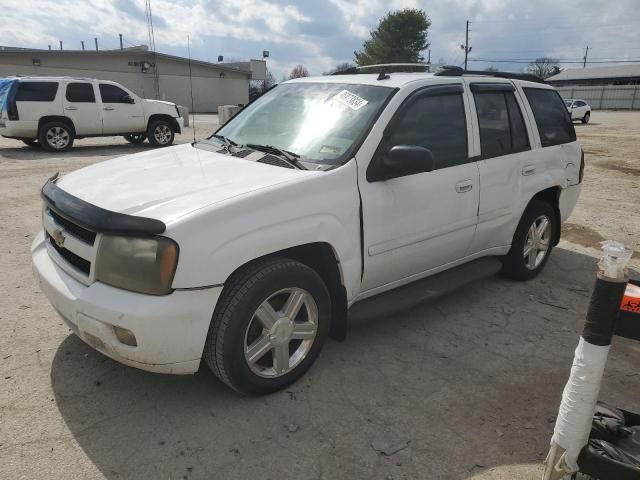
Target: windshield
320	122
5	85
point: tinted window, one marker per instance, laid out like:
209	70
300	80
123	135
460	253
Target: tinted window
519	136
36	91
437	123
81	93
502	129
552	118
112	94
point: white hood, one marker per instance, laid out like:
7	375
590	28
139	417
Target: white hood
172	182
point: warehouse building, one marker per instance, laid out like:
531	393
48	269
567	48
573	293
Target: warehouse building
148	74
609	75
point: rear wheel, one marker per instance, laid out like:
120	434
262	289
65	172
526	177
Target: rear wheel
269	326
532	242
586	117
160	133
135	137
56	137
33	143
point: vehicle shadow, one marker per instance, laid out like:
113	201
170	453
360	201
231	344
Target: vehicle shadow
105	150
467	382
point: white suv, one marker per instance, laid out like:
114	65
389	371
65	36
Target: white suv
578	109
247	249
53	111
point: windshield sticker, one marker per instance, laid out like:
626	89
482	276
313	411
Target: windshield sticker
351	100
330	149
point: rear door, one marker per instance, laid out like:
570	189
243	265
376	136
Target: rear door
505	159
81	107
419	222
35	99
579	110
122	112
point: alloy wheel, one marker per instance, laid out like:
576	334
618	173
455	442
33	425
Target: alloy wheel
536	245
162	134
58	137
281	332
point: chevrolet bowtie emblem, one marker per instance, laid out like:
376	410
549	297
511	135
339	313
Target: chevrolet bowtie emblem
58	237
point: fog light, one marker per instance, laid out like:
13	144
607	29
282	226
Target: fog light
125	336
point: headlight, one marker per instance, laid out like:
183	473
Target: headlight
144	265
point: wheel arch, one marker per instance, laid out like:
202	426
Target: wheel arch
322	258
56	118
167	118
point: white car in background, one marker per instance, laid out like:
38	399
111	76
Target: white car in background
578	109
51	112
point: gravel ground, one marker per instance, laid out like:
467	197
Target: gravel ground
464	387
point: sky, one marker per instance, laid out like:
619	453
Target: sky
323	33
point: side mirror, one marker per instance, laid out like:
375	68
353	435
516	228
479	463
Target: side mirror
129	99
404	160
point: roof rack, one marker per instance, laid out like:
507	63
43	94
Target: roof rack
386	68
452	71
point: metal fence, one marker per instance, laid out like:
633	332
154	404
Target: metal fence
603	97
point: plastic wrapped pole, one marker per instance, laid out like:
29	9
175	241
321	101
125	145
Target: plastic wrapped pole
571	432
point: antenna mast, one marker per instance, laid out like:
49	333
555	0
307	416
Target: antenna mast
152	47
193	115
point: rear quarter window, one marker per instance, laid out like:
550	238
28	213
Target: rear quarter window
36	91
552	118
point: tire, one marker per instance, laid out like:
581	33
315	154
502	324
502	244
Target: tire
160	133
254	297
135	137
56	137
33	143
586	117
520	265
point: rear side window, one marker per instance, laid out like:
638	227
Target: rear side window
435	122
552	118
113	94
502	129
80	93
36	91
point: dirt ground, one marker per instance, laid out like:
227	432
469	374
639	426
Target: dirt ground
466	386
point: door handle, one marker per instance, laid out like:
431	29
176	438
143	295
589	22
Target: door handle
528	170
108	108
71	108
464	186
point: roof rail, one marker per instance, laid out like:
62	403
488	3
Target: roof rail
452	71
384	68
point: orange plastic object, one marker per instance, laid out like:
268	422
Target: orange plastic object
631	299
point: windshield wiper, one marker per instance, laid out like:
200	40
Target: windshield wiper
287	155
227	141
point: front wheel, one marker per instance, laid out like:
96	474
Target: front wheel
269	326
586	117
532	242
160	133
135	137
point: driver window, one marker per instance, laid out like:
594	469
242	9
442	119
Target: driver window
112	94
436	122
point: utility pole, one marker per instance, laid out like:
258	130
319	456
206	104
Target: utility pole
429	57
586	52
82	42
466	47
60	44
95	39
120	41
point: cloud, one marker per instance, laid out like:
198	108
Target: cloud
323	33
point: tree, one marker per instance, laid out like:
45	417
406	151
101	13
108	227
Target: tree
491	68
258	87
544	67
299	71
400	37
340	67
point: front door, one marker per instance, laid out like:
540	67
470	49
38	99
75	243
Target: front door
121	111
79	103
416	223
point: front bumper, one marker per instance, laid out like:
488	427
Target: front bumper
170	330
180	124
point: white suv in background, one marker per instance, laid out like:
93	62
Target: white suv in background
578	109
322	198
53	111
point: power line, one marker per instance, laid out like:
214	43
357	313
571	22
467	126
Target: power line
559	60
